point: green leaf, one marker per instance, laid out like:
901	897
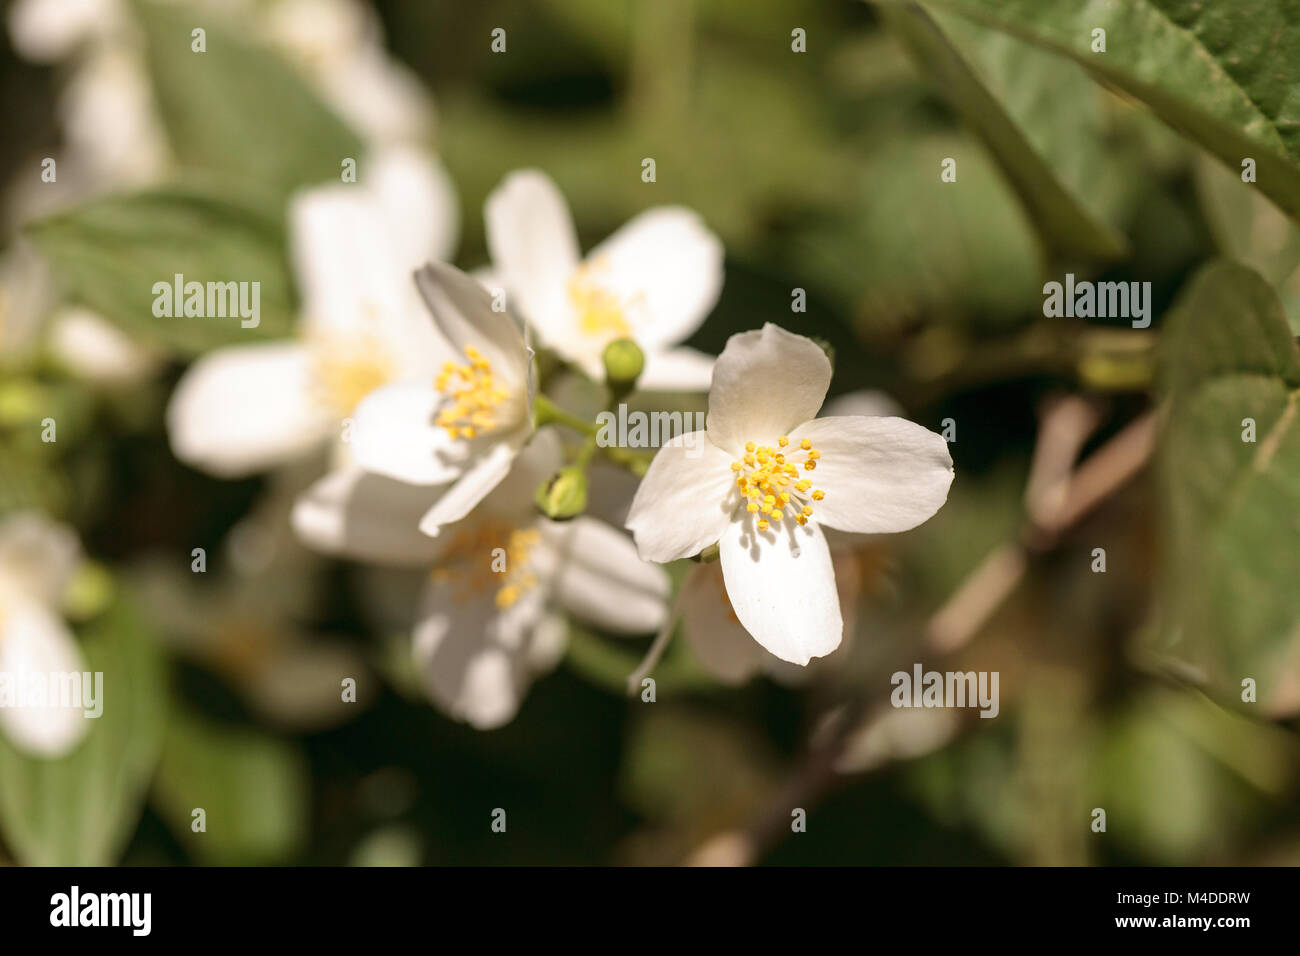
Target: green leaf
1225	74
253	789
238	109
1040	117
1249	229
109	253
1232	506
81	809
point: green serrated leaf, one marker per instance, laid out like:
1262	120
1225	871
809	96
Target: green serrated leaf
1232	502
1041	118
81	809
237	109
109	253
1225	74
253	789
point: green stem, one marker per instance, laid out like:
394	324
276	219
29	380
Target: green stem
546	412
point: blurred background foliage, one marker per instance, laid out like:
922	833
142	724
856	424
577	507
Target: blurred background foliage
819	171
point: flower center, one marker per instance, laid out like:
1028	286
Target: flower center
600	312
769	479
472	395
490	555
347	369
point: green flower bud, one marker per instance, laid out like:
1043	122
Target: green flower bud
708	555
564	494
624	363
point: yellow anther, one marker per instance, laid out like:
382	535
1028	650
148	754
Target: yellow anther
803	485
736	466
472	396
809	465
752	507
805	444
763	525
806	511
783	441
776	516
801	519
814	454
818	495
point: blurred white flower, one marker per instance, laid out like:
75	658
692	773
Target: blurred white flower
339	46
466	423
491	617
37	559
93	349
242	409
654	280
750	487
45	31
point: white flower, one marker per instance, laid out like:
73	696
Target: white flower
242	409
470	420
95	350
654	280
491	617
37	558
770	474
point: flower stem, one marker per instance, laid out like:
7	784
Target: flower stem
659	645
546	412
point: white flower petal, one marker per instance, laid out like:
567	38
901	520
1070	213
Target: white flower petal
419	205
49	30
246	408
685	500
879	474
95	350
482	475
534	249
512	498
716	636
463	312
765	383
677	370
666	266
37	556
34	645
599	577
393	434
356	514
782	586
476	659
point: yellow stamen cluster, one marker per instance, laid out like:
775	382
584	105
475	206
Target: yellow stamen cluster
474	562
600	312
472	395
769	480
347	369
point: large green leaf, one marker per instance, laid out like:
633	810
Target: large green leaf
238	109
1040	117
1226	74
109	253
81	809
252	788
1249	229
1232	506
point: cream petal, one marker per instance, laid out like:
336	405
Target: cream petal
782	586
879	474
37	556
352	513
765	383
666	266
598	577
49	30
716	636
394	435
419	205
246	408
480	477
677	370
34	646
512	498
462	309
475	658
872	403
685	500
534	249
